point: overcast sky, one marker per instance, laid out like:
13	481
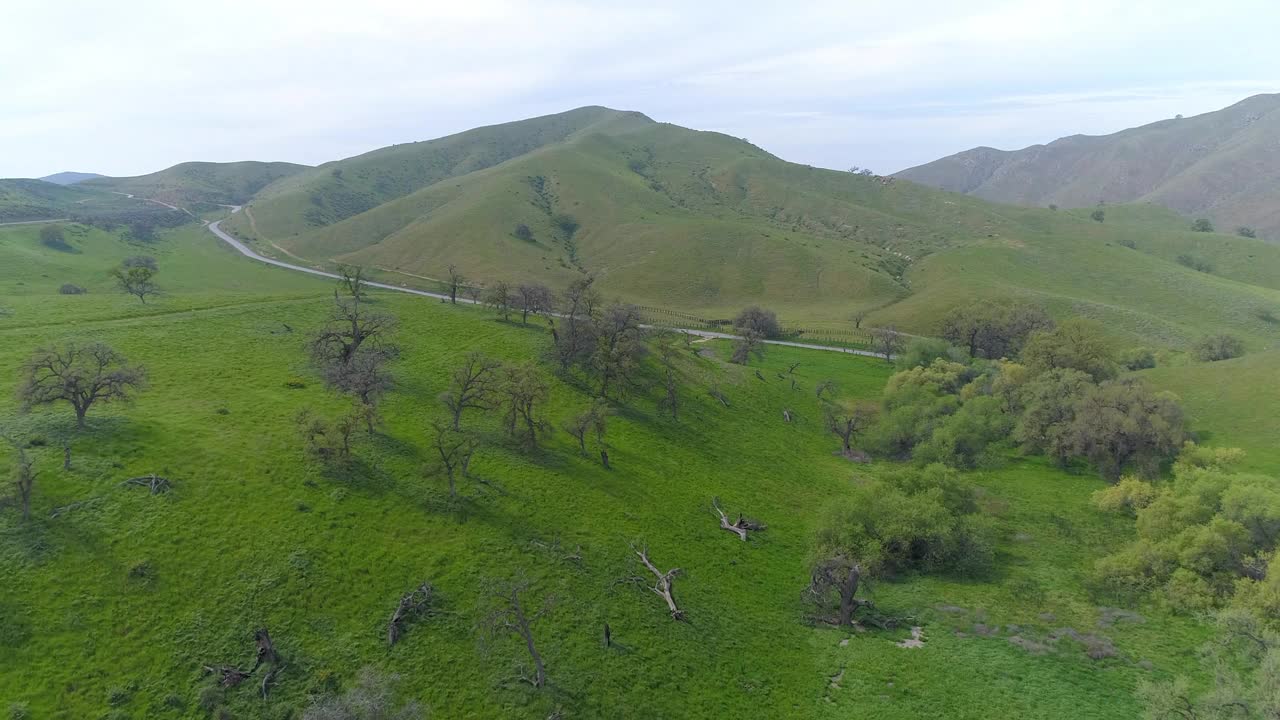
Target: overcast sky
130	87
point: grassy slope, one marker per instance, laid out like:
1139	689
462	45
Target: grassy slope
252	534
194	183
1221	164
22	200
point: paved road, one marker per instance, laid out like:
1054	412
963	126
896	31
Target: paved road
216	229
34	222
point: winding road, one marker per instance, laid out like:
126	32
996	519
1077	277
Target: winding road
216	229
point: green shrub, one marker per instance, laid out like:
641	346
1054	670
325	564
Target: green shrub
1212	348
1202	225
1137	359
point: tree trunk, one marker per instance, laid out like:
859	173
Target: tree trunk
66	456
847	590
604	458
80	413
540	673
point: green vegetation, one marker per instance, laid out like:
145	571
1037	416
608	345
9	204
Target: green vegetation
200	186
253	531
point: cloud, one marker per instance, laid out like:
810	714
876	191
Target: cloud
134	86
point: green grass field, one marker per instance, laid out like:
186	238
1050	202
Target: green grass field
111	609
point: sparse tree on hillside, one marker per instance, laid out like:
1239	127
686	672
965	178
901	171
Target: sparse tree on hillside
81	375
750	343
365	377
591	422
1202	225
619	348
453	451
847	421
499	298
575	337
330	440
474	386
1076	344
993	330
887	341
1245	231
754	318
350	328
523	392
456	280
1212	348
1122	424
1098	215
858	316
51	236
523	232
670	400
508	614
534	299
24	479
352	280
136	280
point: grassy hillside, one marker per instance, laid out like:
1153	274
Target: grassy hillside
22	200
70	178
1224	165
201	184
111	608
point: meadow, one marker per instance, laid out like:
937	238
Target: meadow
112	608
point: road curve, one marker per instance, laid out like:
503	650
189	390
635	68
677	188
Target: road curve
216	229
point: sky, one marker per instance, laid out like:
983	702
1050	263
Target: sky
130	87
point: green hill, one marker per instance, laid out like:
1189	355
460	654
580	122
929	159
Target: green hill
70	178
22	200
114	604
1224	165
200	183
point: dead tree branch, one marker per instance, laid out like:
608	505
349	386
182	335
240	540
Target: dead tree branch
414	603
154	482
662	584
740	527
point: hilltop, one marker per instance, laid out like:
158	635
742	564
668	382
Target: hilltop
200	183
1224	165
70	178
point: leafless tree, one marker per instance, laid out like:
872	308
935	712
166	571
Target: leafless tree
453	449
848	421
352	280
619	348
750	343
415	603
825	389
508	614
591	422
575	338
81	375
364	377
24	478
670	383
841	575
533	299
500	299
456	280
351	326
759	320
523	391
887	341
330	440
473	386
138	280
857	318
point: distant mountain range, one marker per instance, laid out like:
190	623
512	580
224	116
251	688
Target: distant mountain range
704	223
1222	165
69	178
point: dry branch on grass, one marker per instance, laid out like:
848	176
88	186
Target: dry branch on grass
662	584
153	482
740	527
413	604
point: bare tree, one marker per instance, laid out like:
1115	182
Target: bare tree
533	299
670	400
848	421
508	615
351	326
138	280
619	348
472	386
523	391
364	377
825	388
857	318
415	603
575	339
887	341
456	280
329	440
453	449
750	343
24	478
591	422
352	280
663	582
842	575
500	299
81	375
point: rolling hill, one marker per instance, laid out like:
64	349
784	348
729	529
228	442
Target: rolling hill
70	178
200	183
1224	165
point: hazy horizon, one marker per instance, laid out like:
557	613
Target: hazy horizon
145	85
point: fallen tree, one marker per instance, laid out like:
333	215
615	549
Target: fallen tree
740	527
413	604
662	584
